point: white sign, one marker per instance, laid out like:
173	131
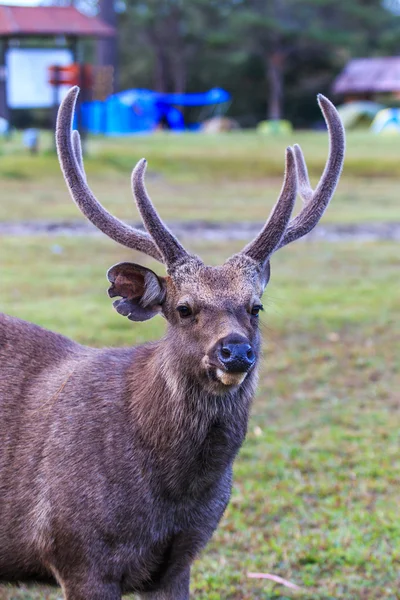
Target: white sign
28	76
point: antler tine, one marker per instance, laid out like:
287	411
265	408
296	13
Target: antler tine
169	246
305	189
70	157
316	202
261	248
77	146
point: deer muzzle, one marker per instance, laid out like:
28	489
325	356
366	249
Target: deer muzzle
234	357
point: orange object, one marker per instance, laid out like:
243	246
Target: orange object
75	74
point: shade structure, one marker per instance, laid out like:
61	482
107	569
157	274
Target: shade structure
141	111
369	75
23	21
213	96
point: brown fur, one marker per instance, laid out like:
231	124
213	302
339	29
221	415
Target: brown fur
116	464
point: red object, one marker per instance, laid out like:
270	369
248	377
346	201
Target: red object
74	74
50	21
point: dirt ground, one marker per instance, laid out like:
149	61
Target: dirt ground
209	230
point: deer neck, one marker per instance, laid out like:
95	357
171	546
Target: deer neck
187	429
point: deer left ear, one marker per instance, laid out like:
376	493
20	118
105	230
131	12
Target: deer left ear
141	290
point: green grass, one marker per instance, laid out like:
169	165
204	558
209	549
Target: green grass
231	177
316	487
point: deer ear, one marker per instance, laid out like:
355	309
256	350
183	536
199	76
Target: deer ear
141	290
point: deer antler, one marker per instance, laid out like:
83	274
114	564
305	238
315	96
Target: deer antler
76	144
169	246
70	157
279	230
261	248
161	244
316	201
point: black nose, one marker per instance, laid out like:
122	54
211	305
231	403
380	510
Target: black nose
236	355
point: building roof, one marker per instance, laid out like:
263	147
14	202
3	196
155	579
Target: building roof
363	75
18	21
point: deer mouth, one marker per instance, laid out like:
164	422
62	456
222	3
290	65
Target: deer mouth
230	378
219	375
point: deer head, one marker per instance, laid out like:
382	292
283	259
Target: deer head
212	312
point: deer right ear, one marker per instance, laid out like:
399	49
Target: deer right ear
141	290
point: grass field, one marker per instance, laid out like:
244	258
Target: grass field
231	177
317	482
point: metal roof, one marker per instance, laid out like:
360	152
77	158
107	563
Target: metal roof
18	21
363	75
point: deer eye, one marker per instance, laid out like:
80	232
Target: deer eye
184	311
256	309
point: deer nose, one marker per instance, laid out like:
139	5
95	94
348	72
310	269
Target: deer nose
236	355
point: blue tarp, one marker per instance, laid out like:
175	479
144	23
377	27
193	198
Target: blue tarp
214	96
139	111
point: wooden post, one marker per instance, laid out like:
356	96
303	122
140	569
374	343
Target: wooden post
56	98
4	109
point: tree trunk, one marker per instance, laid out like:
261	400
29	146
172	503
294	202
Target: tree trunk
274	72
160	70
177	50
179	74
107	50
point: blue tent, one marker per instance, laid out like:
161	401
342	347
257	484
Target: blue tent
387	121
140	111
214	96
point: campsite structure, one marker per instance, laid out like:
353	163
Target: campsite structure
25	33
366	78
143	111
361	83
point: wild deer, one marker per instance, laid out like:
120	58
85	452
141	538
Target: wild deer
116	464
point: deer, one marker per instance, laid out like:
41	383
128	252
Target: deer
116	463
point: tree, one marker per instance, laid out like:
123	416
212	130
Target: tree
171	33
279	32
272	55
107	49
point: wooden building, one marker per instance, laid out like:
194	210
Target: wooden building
365	78
44	26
